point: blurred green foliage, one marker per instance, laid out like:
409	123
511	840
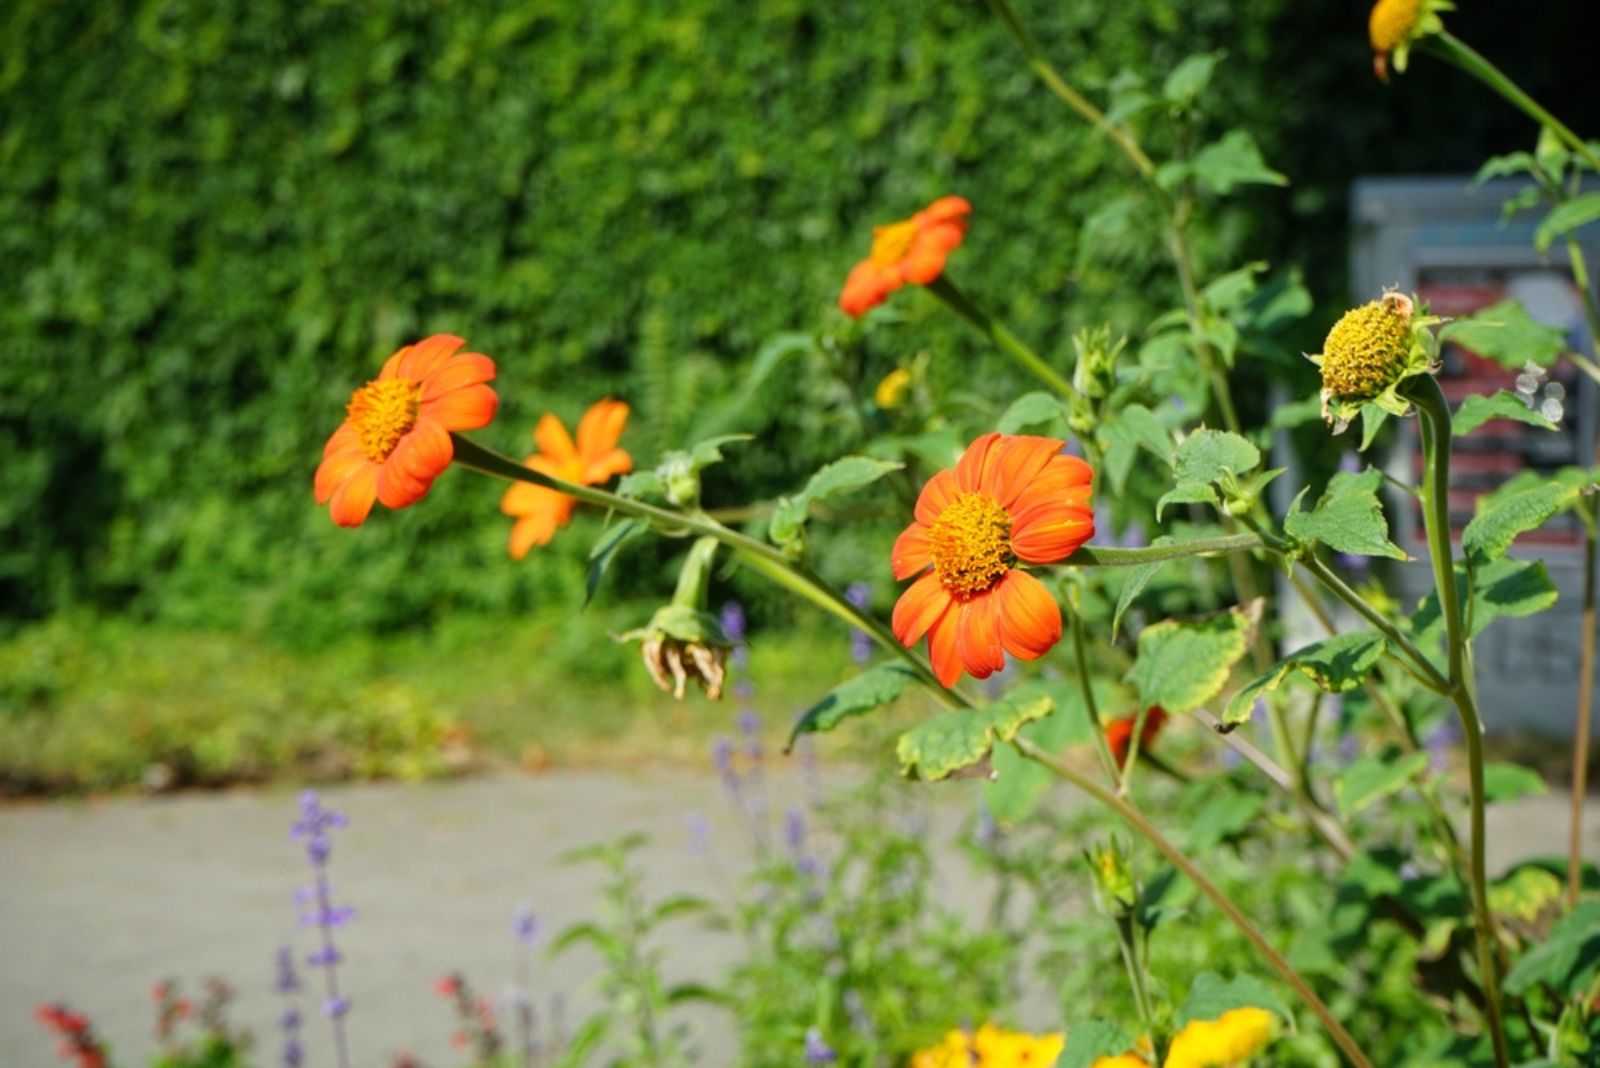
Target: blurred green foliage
216	219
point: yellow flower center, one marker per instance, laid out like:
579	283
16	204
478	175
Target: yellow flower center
1367	348
384	411
971	545
1391	22
891	243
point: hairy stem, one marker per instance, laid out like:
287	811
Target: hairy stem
1004	339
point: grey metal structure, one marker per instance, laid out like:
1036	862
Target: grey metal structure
1446	241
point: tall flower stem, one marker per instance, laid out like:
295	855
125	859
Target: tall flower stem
1456	51
1139	822
995	331
1585	714
1435	425
1091	708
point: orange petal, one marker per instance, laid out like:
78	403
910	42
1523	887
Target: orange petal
911	553
599	469
427	355
970	470
923	604
346	437
978	637
936	495
1049	532
553	439
398	487
867	286
334	470
1064	477
600	428
463	409
947	211
1030	620
531	530
1015	463
426	451
942	648
352	501
458	372
923	264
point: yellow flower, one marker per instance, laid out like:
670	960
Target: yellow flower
1395	25
1121	1060
892	390
992	1047
1230	1039
1369	352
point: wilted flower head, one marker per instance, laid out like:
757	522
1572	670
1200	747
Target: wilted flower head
1369	353
680	645
1395	25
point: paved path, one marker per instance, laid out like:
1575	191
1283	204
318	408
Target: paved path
97	899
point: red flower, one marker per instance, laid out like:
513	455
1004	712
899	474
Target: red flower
1010	500
912	250
395	439
1119	732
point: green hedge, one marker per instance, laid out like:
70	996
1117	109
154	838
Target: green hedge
215	219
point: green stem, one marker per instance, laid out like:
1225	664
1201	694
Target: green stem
1107	556
1004	339
1434	413
1126	936
1456	51
1419	665
1073	99
1102	747
1580	729
1141	823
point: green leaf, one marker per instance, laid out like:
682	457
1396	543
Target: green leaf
1218	812
1567	217
1181	666
1210	996
641	485
605	550
1349	517
1190	78
1477	410
1188	493
1375	776
1089	1041
1296	413
787	527
1507	782
959	739
1566	960
1506	334
1018	782
773	354
1231	161
1138	578
1209	455
1489	535
869	690
1336	664
1506	588
1037	411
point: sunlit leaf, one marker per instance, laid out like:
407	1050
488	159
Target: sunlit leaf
1477	410
1182	665
954	740
869	690
1375	776
1210	996
1506	334
1489	535
1232	161
1337	665
1349	517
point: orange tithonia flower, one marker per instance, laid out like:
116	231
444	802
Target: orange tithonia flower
1009	500
1119	732
395	439
540	512
912	250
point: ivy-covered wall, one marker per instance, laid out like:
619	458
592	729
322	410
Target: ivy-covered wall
215	220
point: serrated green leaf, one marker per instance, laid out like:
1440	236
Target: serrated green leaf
869	690
605	550
1181	666
1566	217
1233	160
1506	334
787	526
1038	412
1187	493
1506	588
1566	960
1019	783
1349	517
1526	895
1210	996
1375	776
1087	1042
1336	664
1503	781
1190	77
954	740
1477	410
1489	535
1208	455
1219	812
1138	578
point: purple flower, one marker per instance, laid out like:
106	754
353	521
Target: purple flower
312	827
525	926
794	829
987	832
817	1051
722	759
327	957
859	594
335	1007
733	621
1440	742
286	981
699	832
